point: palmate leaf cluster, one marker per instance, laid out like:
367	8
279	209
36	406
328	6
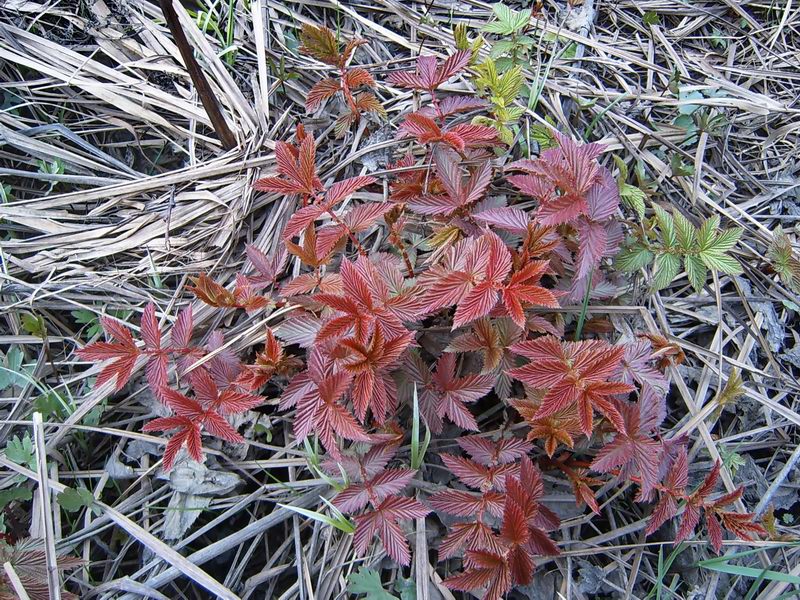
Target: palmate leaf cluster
782	258
353	362
502	90
513	45
671	242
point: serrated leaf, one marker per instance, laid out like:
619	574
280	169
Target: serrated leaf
696	272
633	197
721	262
623	171
666	268
12	494
34	325
499	48
20	451
707	231
724	241
73	500
368	582
685	232
633	258
666	226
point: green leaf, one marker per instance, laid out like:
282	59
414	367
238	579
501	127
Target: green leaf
543	136
696	272
633	197
633	258
73	500
52	404
665	269
338	521
406	587
34	325
14	493
623	170
707	231
687	109
368	582
685	232
680	168
666	226
90	321
721	262
20	451
730	569
418	449
724	241
500	48
12	371
650	18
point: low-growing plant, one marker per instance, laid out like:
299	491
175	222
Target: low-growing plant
379	345
321	44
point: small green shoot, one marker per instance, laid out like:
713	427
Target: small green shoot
336	520
418	449
368	582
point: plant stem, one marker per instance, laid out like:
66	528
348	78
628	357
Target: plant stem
585	307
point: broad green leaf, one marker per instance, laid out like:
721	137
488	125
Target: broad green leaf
665	269
724	241
14	493
707	231
680	168
634	197
34	325
543	136
666	226
20	451
368	582
687	109
685	232
406	587
12	371
522	18
503	13
721	262
510	84
500	48
696	272
73	500
633	258
650	18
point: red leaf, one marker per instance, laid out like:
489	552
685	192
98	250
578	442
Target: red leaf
387	483
506	218
322	90
122	354
181	334
342	189
453	105
714	532
383	522
269	267
215	424
478	476
467	504
483	569
429	74
490	453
